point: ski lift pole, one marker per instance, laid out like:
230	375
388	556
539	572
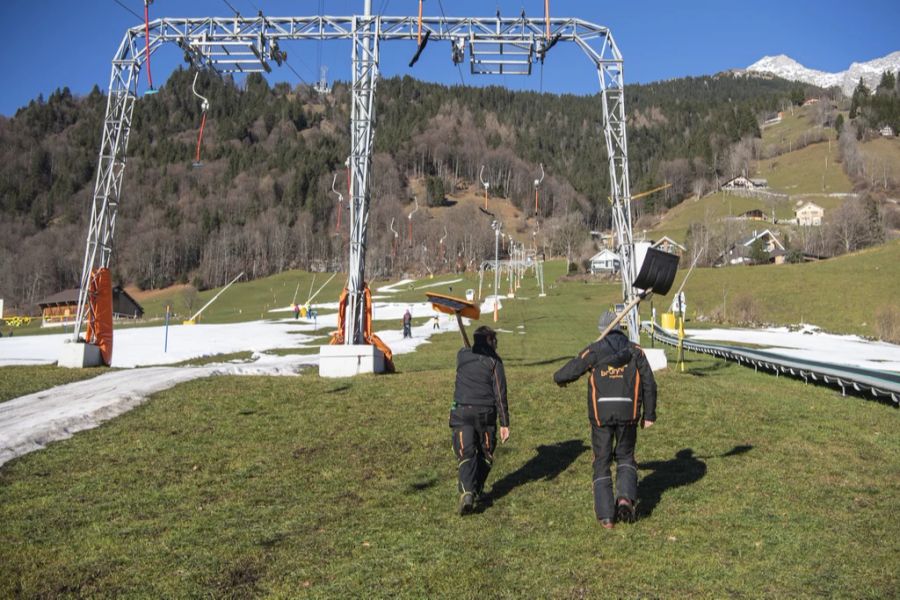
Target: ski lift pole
204	107
393	243
340	201
537	187
311	284
486	185
313	297
409	218
193	319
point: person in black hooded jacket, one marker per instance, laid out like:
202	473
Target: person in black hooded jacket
621	395
478	399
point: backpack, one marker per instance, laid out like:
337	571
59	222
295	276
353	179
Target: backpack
614	393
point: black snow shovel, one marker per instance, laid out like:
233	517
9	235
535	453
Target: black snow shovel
455	306
656	277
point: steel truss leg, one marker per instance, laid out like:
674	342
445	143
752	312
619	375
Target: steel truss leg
612	88
108	184
362	120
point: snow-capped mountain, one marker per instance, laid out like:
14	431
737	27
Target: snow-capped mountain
788	68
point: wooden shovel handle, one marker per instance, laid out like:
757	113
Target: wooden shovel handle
462	330
624	312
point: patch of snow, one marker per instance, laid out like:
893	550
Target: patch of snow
810	343
30	422
389	289
438	284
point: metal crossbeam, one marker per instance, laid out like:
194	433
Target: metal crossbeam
241	44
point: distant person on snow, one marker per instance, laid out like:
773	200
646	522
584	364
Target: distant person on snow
620	386
296	311
435	323
407	324
478	399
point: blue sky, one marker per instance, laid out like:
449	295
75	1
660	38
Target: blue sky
55	43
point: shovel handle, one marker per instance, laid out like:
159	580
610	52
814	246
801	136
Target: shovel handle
624	312
462	330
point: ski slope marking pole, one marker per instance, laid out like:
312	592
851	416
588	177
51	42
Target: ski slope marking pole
166	342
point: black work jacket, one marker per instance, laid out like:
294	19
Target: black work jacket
621	388
481	381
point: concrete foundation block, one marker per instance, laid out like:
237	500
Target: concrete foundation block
346	361
76	355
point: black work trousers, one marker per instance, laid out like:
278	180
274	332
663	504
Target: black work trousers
608	442
474	436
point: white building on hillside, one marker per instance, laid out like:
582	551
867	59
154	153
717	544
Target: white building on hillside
605	261
810	215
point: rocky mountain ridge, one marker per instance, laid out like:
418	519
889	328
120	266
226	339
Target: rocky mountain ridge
787	68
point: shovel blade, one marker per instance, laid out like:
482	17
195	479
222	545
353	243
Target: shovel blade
657	271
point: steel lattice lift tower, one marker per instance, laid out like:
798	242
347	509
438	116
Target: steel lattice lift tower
496	46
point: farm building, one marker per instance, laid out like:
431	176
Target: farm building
60	308
739	252
754	214
745	183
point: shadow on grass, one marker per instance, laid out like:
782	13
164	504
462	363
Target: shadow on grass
549	462
549	361
708	370
684	469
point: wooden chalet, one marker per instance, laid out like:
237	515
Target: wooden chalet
61	308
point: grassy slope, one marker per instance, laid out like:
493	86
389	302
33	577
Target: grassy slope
841	294
882	158
751	486
806	171
793	129
710	209
21	381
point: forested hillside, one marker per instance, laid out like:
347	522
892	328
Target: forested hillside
262	200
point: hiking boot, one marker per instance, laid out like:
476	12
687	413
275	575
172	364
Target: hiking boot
607	523
625	511
466	503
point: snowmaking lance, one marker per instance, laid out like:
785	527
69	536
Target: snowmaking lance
455	306
655	277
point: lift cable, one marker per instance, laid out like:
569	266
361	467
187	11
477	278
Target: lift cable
228	4
128	9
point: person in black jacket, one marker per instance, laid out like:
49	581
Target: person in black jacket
478	399
621	385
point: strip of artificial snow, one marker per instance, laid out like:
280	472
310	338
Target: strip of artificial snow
811	344
30	422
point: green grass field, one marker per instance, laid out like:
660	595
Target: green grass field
882	157
793	129
751	486
841	295
810	170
